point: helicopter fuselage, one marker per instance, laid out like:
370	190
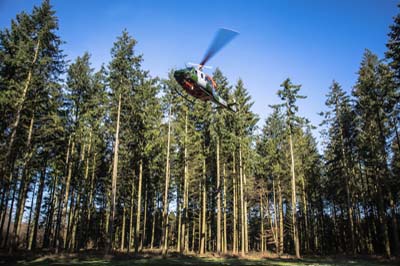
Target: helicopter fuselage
198	84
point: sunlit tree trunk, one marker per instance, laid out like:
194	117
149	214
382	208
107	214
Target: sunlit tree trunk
64	203
203	211
261	222
225	246
242	205
143	238
280	204
235	207
139	207
185	224
276	233
130	236
165	201
154	217
114	178
294	202
246	232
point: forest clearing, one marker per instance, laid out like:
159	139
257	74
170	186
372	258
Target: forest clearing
106	164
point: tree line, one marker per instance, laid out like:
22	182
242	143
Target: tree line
114	159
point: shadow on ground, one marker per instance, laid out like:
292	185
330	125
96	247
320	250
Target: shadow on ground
153	258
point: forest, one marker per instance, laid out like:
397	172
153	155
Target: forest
115	160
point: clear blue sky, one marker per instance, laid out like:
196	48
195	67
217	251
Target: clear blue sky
310	41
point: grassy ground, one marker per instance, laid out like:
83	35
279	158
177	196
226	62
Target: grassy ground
156	260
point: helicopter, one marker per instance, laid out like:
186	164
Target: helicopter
200	85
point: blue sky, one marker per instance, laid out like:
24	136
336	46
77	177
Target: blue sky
310	41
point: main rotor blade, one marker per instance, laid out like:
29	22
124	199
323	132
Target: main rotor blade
222	37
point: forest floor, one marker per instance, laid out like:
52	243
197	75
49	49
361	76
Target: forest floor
154	259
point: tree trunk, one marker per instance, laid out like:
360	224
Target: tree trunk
203	211
114	177
179	212
28	231
185	225
246	232
294	202
235	207
280	205
131	213
123	229
274	230
218	202
143	238
165	201
139	207
91	191
305	215
153	226
10	215
347	181
242	206
261	222
33	237
64	203
225	246
51	218
23	191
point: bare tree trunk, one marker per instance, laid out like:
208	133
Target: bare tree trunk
242	206
165	201
218	202
91	191
193	233
276	236
179	225
50	236
139	207
203	211
28	230
33	237
185	225
261	222
123	229
153	226
294	202
235	207
64	203
143	238
114	178
225	246
246	232
131	213
305	214
23	191
280	203
5	243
